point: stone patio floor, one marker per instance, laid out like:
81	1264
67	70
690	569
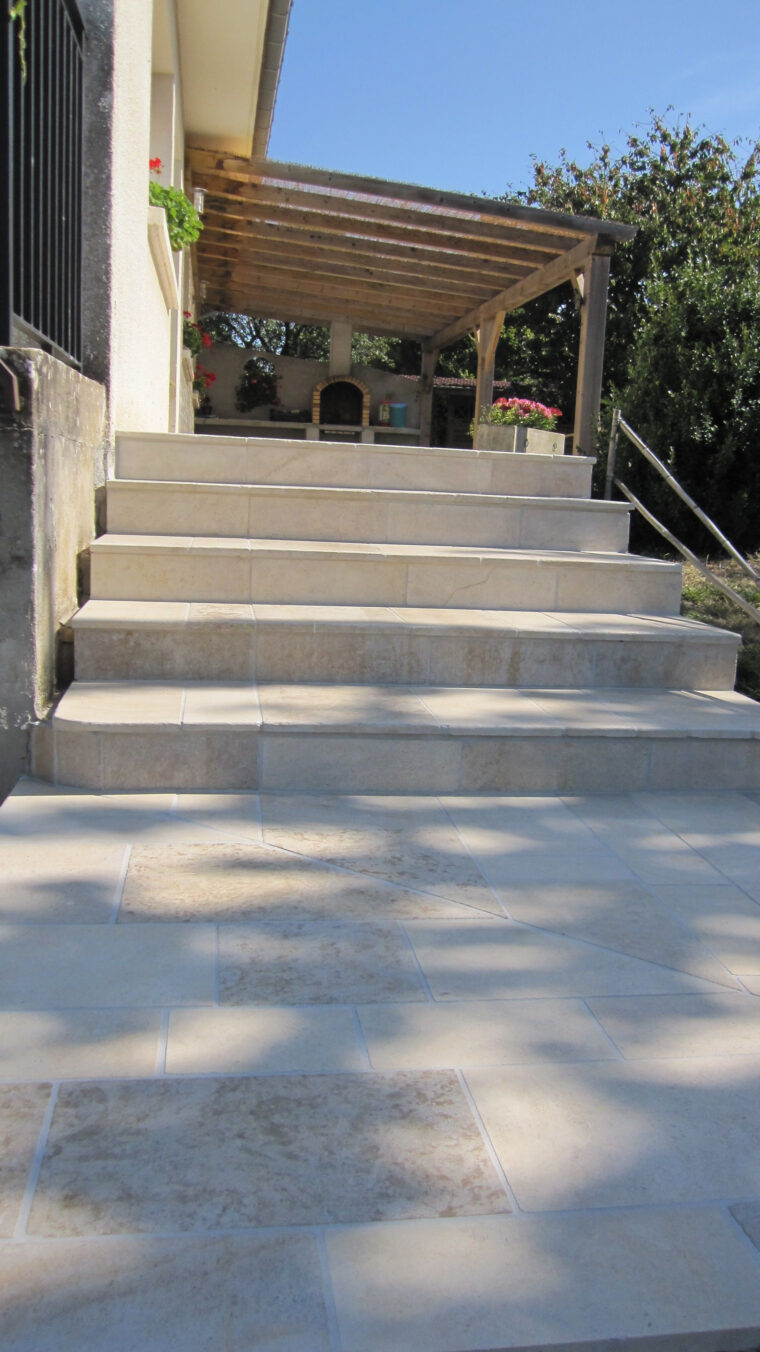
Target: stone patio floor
290	1073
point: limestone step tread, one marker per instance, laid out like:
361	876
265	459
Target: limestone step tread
296	461
120	543
351	493
129	706
108	614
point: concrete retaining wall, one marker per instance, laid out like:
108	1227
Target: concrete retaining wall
52	469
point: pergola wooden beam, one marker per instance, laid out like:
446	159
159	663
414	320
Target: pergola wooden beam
536	218
545	279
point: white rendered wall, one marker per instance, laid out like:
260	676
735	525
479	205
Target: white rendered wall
141	325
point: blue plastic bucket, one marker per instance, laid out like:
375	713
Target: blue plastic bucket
398	415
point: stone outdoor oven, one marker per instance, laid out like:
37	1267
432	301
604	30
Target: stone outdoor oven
340	400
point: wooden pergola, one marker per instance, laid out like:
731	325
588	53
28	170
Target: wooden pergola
312	246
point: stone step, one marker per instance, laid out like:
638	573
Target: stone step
278	460
304	572
172	640
396	739
366	515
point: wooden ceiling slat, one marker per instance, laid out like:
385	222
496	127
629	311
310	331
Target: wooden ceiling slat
294	310
250	262
411	254
366	232
534	219
259	251
368	296
365	215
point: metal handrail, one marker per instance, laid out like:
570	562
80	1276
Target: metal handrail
618	422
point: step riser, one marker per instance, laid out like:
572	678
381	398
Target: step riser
273	516
381	656
392	763
494	584
225	460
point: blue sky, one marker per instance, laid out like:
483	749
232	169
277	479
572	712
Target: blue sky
459	93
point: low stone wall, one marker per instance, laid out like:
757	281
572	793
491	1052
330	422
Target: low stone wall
53	456
296	378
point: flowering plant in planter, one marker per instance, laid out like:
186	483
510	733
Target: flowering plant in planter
183	222
193	336
257	385
521	413
203	379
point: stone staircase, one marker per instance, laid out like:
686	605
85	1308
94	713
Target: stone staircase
345	617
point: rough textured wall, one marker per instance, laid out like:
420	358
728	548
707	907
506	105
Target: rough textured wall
52	469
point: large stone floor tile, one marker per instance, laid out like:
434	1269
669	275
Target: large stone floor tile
22	1111
78	1044
49	815
622	916
84	966
258	1041
332	962
203	1154
625	1133
481	1033
228	882
532	839
652	851
226	815
247	1293
53	881
407	840
666	1279
724	1024
498	960
724	918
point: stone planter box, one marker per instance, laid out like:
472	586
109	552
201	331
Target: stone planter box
497	437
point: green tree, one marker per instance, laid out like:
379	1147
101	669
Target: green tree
683	339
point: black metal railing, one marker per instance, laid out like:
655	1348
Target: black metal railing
41	69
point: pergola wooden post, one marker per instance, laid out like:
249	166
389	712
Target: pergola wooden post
486	336
588	393
429	363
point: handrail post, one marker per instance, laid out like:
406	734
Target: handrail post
612	454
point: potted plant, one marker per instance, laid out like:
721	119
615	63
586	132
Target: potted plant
182	220
257	385
518	425
203	379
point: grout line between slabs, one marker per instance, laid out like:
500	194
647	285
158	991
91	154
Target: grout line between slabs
119	890
487	1142
418	965
362	1038
162	1043
618	1054
19	1233
331	1309
472	858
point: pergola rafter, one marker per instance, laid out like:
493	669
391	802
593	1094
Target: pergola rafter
314	246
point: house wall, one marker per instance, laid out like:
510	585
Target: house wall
296	378
53	456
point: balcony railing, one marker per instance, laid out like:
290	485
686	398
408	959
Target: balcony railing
41	85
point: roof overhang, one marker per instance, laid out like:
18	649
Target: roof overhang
230	57
310	245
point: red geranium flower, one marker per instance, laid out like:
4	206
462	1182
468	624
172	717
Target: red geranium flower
156	165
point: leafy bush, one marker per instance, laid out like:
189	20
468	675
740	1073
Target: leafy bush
257	385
